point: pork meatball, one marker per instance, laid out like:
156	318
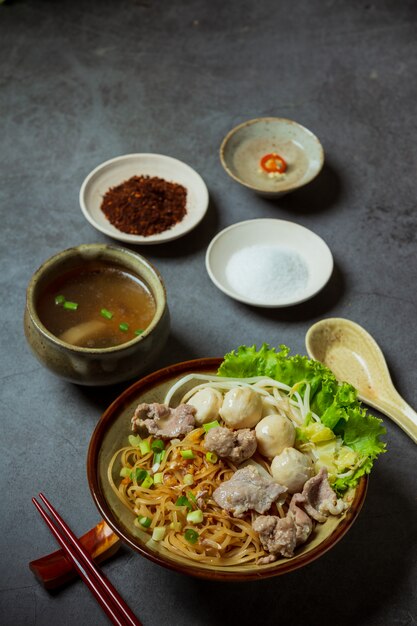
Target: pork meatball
207	403
274	433
241	408
292	469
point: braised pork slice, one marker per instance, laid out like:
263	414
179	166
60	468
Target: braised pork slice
246	490
278	535
318	498
281	535
303	522
235	445
162	421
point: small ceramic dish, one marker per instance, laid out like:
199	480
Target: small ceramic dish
115	171
111	434
245	145
93	365
269	263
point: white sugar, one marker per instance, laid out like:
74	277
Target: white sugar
267	273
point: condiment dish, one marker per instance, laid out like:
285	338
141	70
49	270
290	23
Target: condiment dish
116	171
269	263
111	433
95	365
246	145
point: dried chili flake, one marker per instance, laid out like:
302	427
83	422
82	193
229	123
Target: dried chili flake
145	205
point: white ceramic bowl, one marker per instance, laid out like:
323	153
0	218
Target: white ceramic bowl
117	170
244	146
269	263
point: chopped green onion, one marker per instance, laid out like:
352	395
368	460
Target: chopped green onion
195	517
210	425
144	447
191	535
158	533
71	306
188	479
157	445
145	521
187	454
211	457
192	496
175	526
124	327
183	501
106	313
138	474
59	299
158	457
134	440
125	472
158	478
147	483
139	331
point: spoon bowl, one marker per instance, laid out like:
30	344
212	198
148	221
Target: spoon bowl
353	356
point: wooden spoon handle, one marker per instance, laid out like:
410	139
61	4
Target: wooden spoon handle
399	411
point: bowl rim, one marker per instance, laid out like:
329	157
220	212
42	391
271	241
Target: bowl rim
283	188
49	262
239	298
164	236
128	395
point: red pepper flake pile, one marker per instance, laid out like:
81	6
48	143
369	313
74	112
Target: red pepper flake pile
145	205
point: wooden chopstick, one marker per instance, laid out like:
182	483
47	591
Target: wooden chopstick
102	589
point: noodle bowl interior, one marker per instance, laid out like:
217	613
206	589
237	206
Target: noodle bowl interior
218	474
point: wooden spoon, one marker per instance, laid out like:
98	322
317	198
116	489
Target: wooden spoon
355	357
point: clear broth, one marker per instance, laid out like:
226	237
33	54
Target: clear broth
94	287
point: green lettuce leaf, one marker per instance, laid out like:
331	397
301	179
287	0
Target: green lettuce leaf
335	403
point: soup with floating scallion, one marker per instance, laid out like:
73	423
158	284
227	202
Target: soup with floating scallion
96	305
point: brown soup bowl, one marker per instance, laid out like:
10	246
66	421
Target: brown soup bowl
96	366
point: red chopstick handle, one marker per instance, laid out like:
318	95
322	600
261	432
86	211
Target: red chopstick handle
114	606
107	606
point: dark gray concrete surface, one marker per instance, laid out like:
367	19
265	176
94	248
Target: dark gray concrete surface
82	82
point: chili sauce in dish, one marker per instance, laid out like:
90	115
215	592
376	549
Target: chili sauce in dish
96	305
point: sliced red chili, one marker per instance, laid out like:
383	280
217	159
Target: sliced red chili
273	163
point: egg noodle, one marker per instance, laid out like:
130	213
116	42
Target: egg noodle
169	491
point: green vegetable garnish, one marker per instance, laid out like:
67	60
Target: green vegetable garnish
145	521
210	425
139	331
195	517
187	454
157	445
191	535
138	474
134	440
158	533
124	327
183	501
158	456
59	299
147	483
71	306
106	313
336	404
144	447
211	457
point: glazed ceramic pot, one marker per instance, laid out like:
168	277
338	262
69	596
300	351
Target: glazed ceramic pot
97	366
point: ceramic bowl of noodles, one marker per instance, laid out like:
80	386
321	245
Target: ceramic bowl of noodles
165	494
96	314
271	155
